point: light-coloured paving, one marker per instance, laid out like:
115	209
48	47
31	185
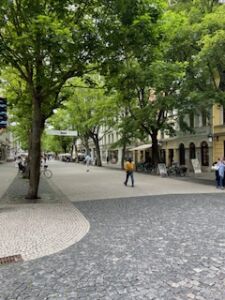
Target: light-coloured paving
162	247
36	230
7	174
105	183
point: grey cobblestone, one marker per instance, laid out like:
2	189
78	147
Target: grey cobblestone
161	247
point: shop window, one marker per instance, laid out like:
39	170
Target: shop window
205	154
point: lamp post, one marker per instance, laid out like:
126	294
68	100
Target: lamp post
210	138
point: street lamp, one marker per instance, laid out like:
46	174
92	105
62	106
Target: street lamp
210	138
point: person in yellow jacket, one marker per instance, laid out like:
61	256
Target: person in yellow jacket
129	168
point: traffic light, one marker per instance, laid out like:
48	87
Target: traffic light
3	113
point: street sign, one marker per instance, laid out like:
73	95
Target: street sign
61	132
3	113
196	166
162	170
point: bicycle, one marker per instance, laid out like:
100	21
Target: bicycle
141	167
46	172
177	170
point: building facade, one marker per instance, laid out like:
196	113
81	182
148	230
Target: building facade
206	143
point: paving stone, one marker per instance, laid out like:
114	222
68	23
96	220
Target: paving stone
136	246
37	229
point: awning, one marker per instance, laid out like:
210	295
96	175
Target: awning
142	147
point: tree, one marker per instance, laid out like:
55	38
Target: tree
47	42
147	71
150	107
127	129
60	120
91	111
51	143
200	43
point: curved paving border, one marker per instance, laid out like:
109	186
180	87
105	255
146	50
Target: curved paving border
36	230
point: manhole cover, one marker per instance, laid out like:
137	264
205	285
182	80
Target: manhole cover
10	259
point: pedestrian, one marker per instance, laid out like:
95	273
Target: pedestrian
107	159
21	165
129	168
215	167
221	169
88	162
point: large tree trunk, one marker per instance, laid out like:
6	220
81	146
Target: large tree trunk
98	152
35	153
155	148
123	156
27	170
86	143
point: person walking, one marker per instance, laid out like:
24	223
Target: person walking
215	167
88	162
221	169
129	168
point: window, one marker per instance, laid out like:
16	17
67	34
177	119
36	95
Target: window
205	154
204	118
182	154
223	148
192	151
171	155
163	156
191	120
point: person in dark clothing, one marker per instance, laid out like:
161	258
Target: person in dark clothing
20	164
217	176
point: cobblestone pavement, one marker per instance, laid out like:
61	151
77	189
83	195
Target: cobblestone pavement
168	247
37	229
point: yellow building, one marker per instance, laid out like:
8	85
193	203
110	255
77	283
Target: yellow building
218	131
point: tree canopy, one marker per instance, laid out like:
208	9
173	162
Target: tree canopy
157	55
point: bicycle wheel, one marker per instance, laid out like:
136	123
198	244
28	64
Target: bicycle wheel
47	173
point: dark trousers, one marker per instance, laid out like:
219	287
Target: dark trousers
131	175
21	167
220	182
